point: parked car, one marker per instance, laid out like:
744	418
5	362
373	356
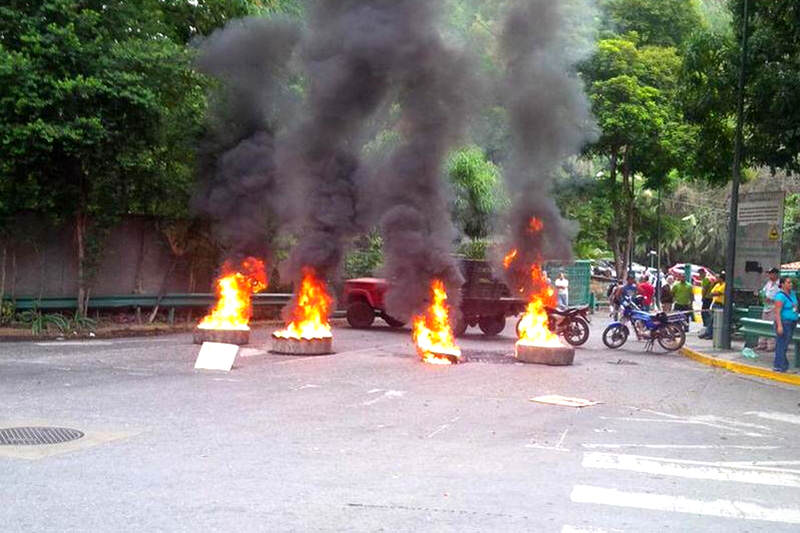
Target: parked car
680	268
604	268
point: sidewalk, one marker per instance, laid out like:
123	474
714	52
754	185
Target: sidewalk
702	351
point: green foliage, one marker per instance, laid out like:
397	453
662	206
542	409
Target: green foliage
477	191
656	22
7	312
365	258
791	229
474	249
772	116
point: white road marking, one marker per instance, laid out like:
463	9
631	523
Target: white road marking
443	427
558	447
759	463
779	417
659	466
582	529
678	446
680	504
251	352
306	386
388	395
711	421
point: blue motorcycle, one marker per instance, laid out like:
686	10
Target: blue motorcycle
666	329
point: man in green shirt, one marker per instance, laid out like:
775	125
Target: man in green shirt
682	296
705	286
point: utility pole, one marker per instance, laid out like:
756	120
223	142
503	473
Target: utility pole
733	223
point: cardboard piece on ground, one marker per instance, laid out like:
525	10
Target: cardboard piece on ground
216	356
566	401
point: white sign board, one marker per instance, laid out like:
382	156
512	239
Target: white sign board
216	356
758	238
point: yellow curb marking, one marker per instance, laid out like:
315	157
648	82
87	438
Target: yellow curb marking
739	368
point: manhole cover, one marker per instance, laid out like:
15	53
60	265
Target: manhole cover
31	436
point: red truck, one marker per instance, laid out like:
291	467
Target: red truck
485	301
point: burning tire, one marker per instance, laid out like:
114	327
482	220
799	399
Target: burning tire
292	346
492	325
544	355
225	336
576	331
360	314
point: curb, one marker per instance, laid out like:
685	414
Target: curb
740	368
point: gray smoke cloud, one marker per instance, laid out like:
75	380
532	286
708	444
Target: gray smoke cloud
550	119
238	177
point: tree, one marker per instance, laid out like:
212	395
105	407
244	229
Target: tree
656	22
633	90
772	116
477	192
98	108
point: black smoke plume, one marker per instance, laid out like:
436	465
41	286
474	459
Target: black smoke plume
348	56
237	168
550	119
434	84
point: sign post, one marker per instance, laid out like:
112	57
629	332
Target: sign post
759	233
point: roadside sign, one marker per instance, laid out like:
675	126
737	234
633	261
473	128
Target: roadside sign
758	238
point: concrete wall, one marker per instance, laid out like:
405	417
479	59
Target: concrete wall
41	261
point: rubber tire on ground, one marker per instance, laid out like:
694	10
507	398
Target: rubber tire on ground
618	331
393	322
460	327
492	325
360	314
576	331
672	341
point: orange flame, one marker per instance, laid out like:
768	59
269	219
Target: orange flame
432	332
535	225
310	313
534	327
233	310
509	258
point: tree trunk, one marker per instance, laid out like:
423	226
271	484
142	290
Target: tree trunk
614	229
628	188
80	236
3	274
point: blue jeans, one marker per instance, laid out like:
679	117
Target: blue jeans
562	300
782	343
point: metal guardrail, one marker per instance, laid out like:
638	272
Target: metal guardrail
143	300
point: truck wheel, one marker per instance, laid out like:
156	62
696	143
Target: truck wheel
492	325
360	314
393	322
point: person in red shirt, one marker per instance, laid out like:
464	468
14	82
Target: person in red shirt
647	292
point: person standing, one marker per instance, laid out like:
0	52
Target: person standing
705	291
785	322
647	291
666	294
717	294
562	289
682	295
769	291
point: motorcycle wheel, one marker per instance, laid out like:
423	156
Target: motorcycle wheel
671	337
576	331
615	336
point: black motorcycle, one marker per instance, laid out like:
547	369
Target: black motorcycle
572	323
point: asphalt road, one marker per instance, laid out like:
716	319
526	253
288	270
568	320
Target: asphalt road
370	439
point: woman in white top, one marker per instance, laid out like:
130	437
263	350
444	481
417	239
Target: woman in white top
562	289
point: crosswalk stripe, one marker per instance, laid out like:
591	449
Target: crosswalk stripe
779	417
779	477
679	504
